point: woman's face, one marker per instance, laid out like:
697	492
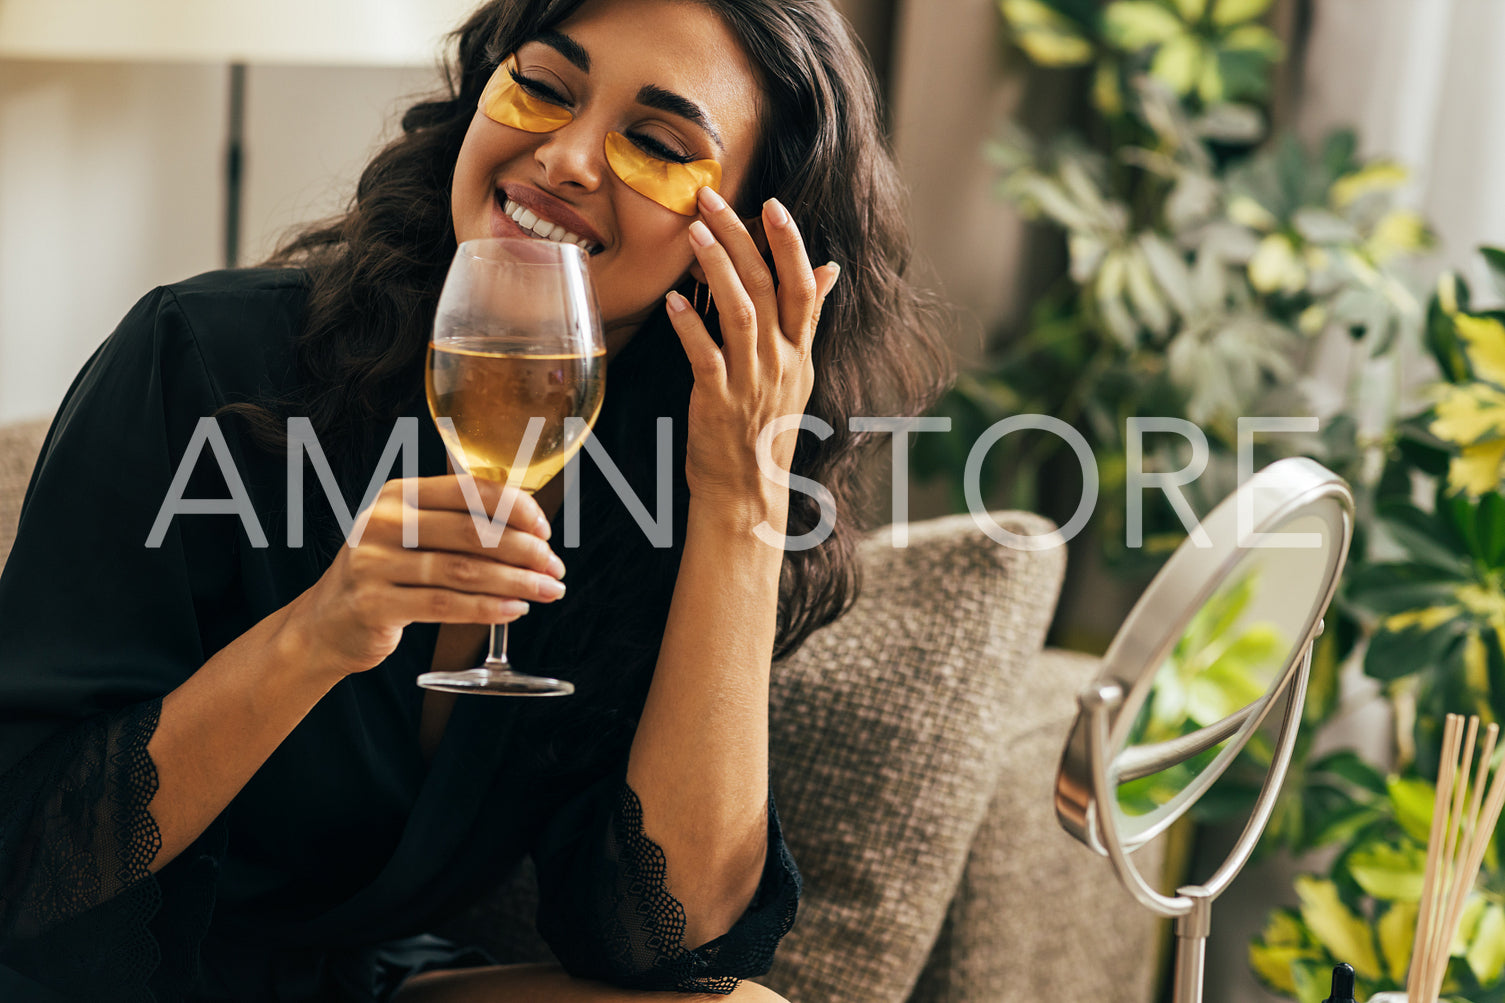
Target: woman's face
669	76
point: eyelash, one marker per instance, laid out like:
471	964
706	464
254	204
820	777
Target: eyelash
648	144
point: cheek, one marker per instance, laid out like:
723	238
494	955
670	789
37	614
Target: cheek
660	238
463	184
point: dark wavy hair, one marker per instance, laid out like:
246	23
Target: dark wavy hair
375	274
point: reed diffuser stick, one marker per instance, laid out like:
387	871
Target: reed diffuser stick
1455	850
1422	943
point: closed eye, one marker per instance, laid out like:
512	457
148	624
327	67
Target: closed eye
538	89
658	150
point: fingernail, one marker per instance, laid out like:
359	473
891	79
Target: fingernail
511	607
550	589
677	303
542	528
556	566
835	268
777	214
712	201
701	234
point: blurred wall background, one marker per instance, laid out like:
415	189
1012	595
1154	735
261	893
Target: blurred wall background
110	173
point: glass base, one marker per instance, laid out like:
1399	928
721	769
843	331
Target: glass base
496	682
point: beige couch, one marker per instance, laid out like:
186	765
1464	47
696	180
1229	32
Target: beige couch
914	748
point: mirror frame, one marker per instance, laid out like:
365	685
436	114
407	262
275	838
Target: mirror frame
1271	498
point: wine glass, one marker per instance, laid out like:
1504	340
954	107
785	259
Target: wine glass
517	350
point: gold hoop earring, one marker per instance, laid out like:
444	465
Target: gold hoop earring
704	309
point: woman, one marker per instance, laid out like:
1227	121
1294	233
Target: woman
217	779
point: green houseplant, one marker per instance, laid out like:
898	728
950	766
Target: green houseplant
1430	588
1207	260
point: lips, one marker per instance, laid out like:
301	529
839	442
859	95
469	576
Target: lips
542	216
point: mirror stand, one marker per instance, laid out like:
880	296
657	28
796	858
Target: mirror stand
1191	906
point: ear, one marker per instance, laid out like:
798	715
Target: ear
755	230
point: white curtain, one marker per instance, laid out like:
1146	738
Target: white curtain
1422	82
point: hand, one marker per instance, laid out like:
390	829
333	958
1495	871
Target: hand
763	368
354	615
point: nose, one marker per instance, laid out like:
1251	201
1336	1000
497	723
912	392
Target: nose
573	156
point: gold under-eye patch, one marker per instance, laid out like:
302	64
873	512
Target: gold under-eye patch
671	185
504	100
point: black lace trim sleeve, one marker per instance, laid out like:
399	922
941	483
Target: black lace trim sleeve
80	911
615	920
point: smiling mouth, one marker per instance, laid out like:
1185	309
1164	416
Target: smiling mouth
542	228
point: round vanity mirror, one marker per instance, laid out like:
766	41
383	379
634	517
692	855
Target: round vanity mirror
1219	640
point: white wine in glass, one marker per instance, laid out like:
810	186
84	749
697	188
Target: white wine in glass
517	350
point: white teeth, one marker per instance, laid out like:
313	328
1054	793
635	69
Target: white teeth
529	221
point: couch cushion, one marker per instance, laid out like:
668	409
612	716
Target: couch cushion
887	741
1039	916
887	738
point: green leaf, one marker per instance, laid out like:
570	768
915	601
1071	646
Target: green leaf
1211	87
1283	941
1397	933
1179	63
1491	529
1322	226
1394	654
1144	293
1291	171
1494	257
1255	38
1191	10
1107	88
1231	12
1312	977
1132	25
1486	955
1443	340
1387	589
1338	151
1048	37
1345	935
1460	513
1352	767
1231	123
1273	964
1422	450
1340	826
1324	687
1389	872
1412	800
1425	539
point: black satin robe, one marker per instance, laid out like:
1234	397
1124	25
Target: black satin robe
321	878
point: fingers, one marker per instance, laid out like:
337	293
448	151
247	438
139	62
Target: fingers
706	361
798	293
736	312
426	605
746	295
447	492
825	280
747	266
471	575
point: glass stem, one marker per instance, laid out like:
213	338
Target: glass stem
496	655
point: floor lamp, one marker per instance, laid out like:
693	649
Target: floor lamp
236	33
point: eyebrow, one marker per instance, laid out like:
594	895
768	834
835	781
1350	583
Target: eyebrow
566	47
651	96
